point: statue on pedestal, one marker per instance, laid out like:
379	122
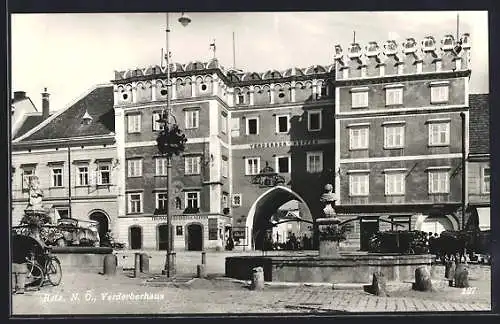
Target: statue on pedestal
35	215
328	199
330	231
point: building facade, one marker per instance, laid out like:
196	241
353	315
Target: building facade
399	134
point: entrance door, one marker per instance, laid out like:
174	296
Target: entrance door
162	237
194	237
135	238
102	224
368	227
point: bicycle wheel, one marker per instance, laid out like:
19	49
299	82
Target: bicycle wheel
34	277
53	271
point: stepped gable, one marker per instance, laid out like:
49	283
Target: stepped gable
99	105
479	124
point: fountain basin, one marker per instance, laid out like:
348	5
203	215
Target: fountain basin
81	259
348	268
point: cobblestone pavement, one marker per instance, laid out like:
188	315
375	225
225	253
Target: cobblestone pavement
87	293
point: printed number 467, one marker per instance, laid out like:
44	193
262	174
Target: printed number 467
469	291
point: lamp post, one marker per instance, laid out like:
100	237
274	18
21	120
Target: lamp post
170	141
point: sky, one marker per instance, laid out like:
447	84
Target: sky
70	53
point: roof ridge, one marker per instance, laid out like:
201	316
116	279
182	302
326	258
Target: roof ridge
61	111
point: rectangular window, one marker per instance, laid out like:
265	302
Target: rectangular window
178	230
359	99
485	180
57	177
192	118
223	124
63	212
161	200
28	174
394	136
401	223
439	182
395	183
240	99
225	200
135	203
252	165
282	124
235	127
253	126
314	121
358	138
237	198
439	94
225	167
135	168
393	96
439	134
104	174
283	164
359	184
161	166
193	199
314	162
134	123
192	165
83	176
157	126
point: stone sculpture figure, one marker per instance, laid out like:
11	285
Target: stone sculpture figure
328	199
35	195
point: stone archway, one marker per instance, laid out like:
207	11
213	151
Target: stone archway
266	205
102	220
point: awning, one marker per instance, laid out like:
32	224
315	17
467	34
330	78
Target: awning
484	218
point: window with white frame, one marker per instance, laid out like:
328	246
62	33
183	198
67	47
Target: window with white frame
225	167
237	198
314	120
358	137
359	184
235	127
439	93
485	180
157	126
439	133
252	165
223	123
83	175
252	125
134	168
57	177
314	163
161	166
192	199
135	203
394	136
282	124
134	123
192	118
394	183
225	200
439	181
393	96
28	174
192	164
283	164
161	200
104	174
359	99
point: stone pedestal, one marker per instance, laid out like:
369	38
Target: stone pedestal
327	246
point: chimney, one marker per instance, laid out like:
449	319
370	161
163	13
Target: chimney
45	103
19	95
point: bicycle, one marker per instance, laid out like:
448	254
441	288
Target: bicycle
38	275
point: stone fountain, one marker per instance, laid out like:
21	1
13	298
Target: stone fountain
35	215
328	225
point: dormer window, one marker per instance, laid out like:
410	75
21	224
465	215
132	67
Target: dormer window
86	119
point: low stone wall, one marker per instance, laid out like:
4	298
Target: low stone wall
81	259
346	269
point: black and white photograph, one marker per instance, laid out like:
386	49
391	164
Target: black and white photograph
288	162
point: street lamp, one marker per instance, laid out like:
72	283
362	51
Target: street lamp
170	142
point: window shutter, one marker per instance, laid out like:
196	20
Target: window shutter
93	177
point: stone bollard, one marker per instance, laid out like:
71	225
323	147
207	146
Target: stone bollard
144	263
110	264
19	271
257	279
203	258
422	279
378	286
449	271
461	276
137	264
200	271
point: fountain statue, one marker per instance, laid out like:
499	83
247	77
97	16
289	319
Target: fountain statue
328	225
35	214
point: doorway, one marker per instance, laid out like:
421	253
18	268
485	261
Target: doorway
368	227
135	238
102	224
162	237
195	237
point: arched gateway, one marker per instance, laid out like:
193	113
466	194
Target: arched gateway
266	205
